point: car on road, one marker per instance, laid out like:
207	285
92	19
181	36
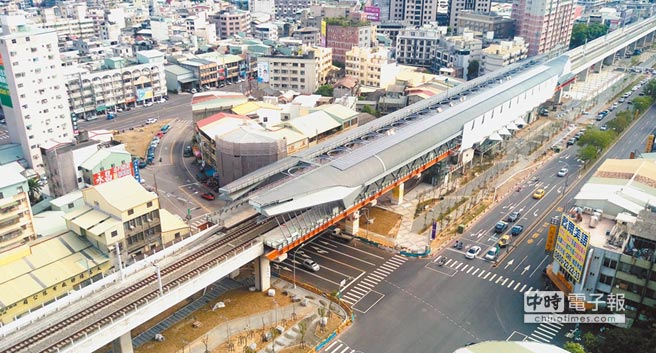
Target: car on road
571	141
517	229
142	164
492	254
538	194
500	227
165	128
91	117
504	241
311	265
562	172
151	121
208	196
513	217
187	152
621	100
600	117
473	252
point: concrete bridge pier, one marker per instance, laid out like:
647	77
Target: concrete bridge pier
609	60
598	66
262	273
398	193
583	75
641	42
352	223
123	344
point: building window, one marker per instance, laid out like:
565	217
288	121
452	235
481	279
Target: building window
149	204
605	279
71	205
610	263
114	233
130	212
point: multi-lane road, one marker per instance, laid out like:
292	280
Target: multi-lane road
422	306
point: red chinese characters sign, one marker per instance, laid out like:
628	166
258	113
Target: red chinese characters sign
113	173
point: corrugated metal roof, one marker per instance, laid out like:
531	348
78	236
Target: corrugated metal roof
124	193
380	156
50	262
313	124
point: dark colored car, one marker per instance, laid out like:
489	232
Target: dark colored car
500	227
517	229
208	196
188	152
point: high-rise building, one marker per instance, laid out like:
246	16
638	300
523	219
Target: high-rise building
544	24
32	88
412	12
342	34
457	6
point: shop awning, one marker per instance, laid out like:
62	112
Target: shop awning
512	126
504	131
101	108
495	137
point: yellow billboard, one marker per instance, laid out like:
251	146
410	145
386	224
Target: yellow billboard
323	28
571	247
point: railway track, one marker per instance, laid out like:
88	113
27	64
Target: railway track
244	229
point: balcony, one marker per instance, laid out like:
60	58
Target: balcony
627	294
631	278
635	261
9	207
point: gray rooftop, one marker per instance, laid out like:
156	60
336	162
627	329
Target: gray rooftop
342	179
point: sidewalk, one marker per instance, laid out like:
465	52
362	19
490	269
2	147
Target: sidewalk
494	182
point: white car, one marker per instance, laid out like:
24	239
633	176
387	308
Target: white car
149	104
473	252
151	120
492	254
562	172
311	265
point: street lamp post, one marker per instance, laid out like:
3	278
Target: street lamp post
294	262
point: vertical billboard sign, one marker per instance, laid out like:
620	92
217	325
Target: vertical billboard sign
263	72
5	98
373	13
571	247
323	34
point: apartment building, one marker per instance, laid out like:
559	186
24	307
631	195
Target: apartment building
372	67
412	12
342	34
606	243
303	73
206	71
544	24
231	22
416	46
497	56
453	55
290	8
120	86
502	27
119	214
16	223
309	36
32	89
68	28
266	31
456	7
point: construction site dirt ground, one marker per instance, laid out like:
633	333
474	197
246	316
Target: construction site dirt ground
136	141
238	303
379	221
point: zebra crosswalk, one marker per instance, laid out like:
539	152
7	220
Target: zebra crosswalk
545	332
339	347
469	268
367	284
